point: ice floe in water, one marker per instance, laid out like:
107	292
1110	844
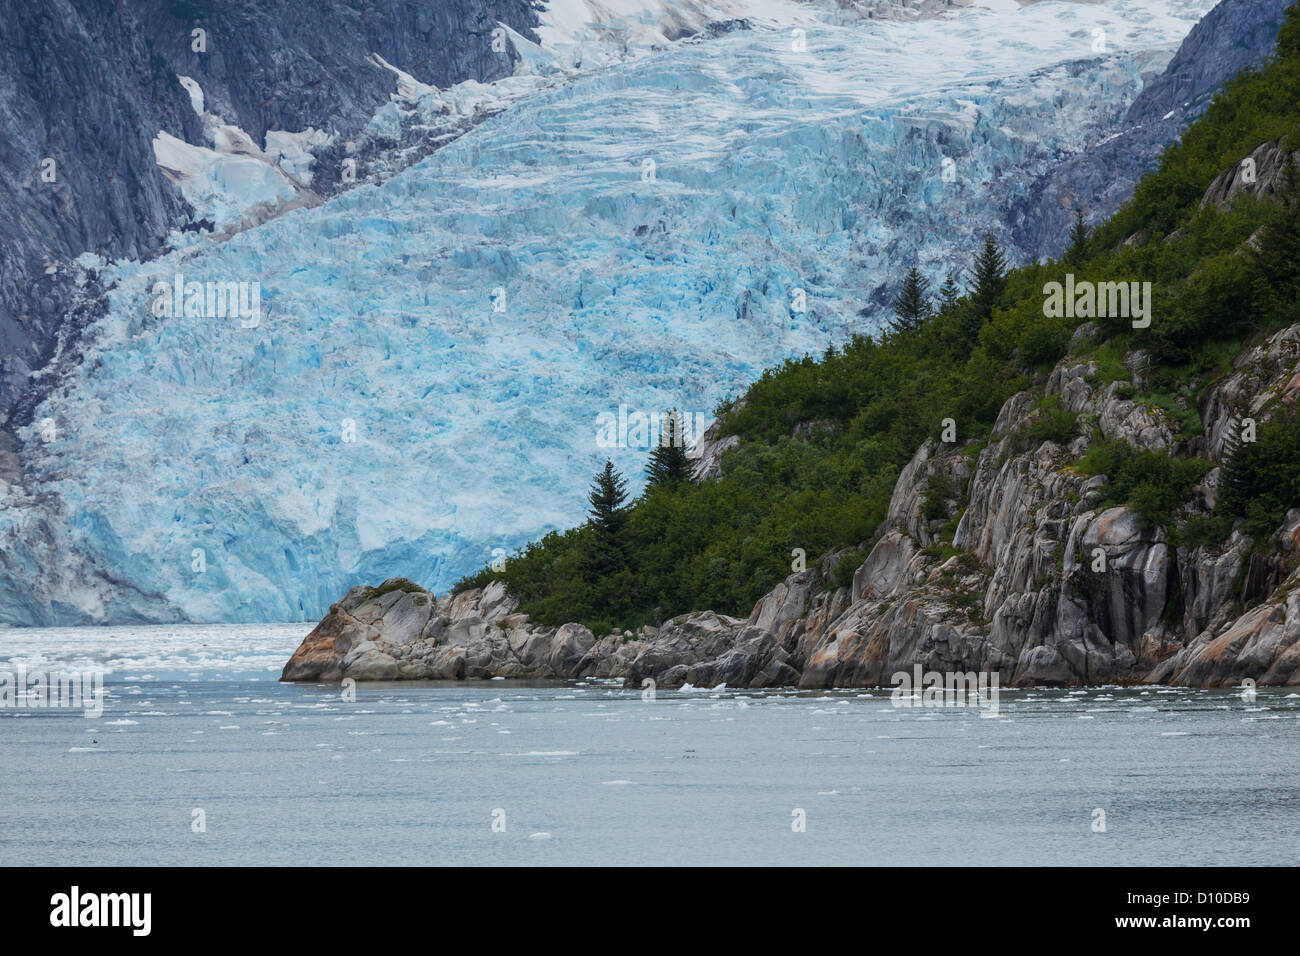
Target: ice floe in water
134	651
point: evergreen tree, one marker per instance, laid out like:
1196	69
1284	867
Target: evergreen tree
669	463
989	282
1260	480
949	293
912	304
1231	479
1277	251
1078	240
607	554
608	493
1236	475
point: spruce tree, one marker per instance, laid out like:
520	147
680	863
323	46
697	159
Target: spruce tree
989	282
912	304
1236	475
607	554
669	463
1277	251
608	493
1078	240
949	293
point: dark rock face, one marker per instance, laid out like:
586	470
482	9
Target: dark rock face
82	87
89	84
284	64
1235	35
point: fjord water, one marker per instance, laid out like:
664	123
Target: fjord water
587	772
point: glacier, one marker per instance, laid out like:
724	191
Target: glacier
422	387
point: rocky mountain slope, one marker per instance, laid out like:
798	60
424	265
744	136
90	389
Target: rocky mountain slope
1235	35
1020	596
89	85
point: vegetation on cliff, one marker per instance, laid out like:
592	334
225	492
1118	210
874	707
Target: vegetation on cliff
821	442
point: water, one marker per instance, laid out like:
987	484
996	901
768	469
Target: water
586	772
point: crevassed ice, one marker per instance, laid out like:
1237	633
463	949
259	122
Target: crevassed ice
433	352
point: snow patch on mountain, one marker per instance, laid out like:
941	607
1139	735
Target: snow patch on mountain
233	178
220	186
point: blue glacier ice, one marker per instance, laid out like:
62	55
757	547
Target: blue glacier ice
433	352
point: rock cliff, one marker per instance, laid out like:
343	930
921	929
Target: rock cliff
1039	582
1235	35
88	85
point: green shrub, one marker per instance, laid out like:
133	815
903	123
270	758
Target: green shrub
848	566
1050	422
1203	530
1260	481
1044	344
939	490
398	584
1153	483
